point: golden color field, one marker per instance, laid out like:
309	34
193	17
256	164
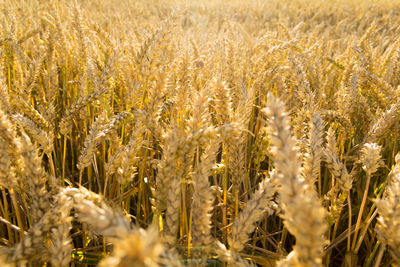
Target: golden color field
199	133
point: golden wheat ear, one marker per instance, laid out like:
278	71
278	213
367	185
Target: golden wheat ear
303	213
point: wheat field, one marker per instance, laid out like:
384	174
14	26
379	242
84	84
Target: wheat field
199	133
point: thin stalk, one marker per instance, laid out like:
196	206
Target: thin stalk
364	231
335	228
7	217
62	178
349	231
17	213
224	207
51	163
360	213
380	255
283	237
